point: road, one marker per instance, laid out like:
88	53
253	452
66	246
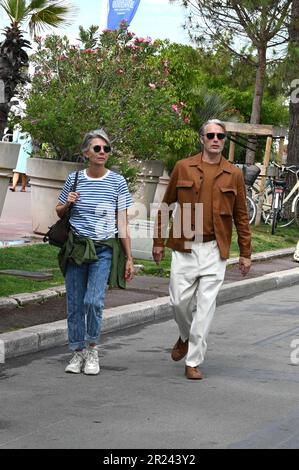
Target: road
141	400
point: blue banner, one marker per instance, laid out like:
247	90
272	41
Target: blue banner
119	10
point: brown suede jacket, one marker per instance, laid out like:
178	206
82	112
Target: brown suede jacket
229	204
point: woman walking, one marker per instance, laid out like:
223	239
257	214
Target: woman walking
99	223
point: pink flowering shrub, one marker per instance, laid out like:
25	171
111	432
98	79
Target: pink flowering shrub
123	85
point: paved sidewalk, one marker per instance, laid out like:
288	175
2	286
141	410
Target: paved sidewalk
15	221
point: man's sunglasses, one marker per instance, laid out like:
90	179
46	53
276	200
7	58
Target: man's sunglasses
211	135
98	148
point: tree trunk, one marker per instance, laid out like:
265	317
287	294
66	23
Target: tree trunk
257	101
4	109
293	145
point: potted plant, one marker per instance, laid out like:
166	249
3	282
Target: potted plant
9	153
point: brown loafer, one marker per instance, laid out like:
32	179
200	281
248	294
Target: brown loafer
179	350
193	373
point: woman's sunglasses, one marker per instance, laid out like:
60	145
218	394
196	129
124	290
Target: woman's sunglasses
211	135
98	148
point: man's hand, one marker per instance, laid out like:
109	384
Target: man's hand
244	265
158	253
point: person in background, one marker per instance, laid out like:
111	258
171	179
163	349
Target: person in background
25	141
199	261
98	246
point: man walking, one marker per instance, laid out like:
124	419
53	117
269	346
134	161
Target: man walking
206	182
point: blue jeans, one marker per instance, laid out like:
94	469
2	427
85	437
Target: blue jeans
85	293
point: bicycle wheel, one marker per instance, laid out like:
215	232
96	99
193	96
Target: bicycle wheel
286	216
251	209
267	205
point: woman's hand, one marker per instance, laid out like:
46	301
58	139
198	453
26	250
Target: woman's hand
72	197
62	208
129	269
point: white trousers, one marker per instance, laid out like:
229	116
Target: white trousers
195	281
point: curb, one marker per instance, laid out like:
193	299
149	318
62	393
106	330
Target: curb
41	337
264	255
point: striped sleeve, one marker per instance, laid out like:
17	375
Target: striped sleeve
66	189
124	198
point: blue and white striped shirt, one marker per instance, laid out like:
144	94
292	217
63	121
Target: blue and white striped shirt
93	215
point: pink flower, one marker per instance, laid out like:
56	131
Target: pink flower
187	120
175	108
120	71
152	86
146	40
133	47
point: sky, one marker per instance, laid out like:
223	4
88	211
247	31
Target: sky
157	19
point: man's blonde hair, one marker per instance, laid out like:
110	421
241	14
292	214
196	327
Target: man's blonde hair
212	121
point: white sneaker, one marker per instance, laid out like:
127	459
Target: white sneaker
76	363
92	366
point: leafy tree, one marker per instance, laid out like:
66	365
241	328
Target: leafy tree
213	82
122	84
38	14
247	28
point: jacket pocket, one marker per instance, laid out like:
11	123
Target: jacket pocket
185	191
184	184
227	201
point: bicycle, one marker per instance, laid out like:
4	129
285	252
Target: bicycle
289	212
251	206
267	199
285	202
250	173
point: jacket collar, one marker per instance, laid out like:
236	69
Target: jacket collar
196	160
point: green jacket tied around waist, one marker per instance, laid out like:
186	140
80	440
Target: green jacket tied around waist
79	250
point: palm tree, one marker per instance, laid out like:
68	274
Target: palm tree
14	61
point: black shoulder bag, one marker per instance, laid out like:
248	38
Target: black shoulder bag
58	232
